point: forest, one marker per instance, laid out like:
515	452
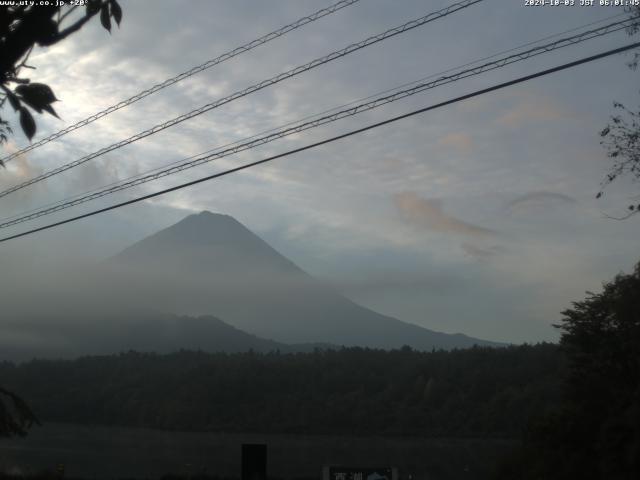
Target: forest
477	392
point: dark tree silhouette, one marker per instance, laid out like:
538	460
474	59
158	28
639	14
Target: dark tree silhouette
601	335
22	28
15	415
621	137
595	433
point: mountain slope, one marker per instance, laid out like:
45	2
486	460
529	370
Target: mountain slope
211	264
110	333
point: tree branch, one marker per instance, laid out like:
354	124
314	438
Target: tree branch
66	14
15	423
76	26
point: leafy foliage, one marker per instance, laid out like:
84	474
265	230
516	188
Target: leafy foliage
621	137
622	141
473	392
22	28
15	415
634	11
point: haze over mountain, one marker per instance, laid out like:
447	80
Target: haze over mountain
108	333
210	264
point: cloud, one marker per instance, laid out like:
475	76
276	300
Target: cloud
539	199
481	253
18	171
460	141
531	111
381	281
428	213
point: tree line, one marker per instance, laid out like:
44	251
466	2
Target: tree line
474	392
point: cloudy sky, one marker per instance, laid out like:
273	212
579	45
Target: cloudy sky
478	218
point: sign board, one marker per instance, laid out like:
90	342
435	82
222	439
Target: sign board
332	472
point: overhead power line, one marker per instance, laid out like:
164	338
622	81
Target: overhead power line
72	198
254	88
192	71
253	142
330	140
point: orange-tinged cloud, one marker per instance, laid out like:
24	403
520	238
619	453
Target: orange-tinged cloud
457	140
531	111
428	213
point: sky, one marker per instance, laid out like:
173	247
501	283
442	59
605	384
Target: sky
478	218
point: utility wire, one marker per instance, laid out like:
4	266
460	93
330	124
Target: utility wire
254	88
330	140
192	71
253	142
315	115
333	109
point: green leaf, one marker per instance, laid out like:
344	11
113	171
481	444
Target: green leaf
104	17
27	123
116	11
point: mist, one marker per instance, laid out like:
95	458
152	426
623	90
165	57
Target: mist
206	283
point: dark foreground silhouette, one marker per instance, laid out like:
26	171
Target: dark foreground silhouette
462	393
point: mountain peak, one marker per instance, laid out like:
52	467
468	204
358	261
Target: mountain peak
206	240
209	263
204	228
206	217
207	229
